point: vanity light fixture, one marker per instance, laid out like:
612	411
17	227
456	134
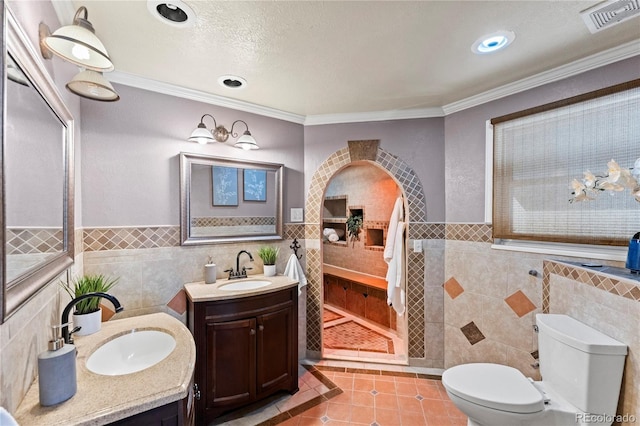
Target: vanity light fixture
77	43
203	136
493	42
92	85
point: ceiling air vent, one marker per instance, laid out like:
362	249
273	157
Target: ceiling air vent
609	13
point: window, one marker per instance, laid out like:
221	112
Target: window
538	152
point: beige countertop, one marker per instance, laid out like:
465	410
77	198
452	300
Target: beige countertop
360	277
201	292
104	399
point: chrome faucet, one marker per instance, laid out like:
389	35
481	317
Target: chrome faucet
67	310
239	273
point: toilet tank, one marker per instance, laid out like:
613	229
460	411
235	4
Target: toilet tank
580	363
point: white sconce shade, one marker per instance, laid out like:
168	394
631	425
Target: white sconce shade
201	135
246	142
92	85
78	44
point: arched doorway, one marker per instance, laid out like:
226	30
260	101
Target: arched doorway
358	323
414	214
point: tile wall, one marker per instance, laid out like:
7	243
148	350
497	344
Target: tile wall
490	302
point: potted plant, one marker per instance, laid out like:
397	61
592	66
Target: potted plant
354	224
88	313
269	254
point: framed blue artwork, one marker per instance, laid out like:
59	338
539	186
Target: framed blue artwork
255	185
225	186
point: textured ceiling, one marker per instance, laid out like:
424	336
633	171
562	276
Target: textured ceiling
336	57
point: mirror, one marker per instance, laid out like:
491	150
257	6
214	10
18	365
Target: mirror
226	200
37	174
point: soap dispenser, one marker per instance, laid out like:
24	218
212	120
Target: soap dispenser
210	272
57	371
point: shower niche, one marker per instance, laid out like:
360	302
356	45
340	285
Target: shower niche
335	216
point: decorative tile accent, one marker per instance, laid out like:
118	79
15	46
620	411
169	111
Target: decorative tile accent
232	221
535	354
629	289
477	232
520	303
314	300
294	230
363	150
34	240
472	333
179	302
453	288
96	239
107	313
415	305
426	231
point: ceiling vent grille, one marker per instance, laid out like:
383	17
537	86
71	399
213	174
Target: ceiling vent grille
609	13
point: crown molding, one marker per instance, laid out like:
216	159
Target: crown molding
196	95
618	53
361	117
65	11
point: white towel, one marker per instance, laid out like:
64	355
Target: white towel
333	238
395	274
396	216
327	232
294	271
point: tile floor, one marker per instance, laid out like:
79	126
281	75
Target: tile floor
348	393
381	398
347	346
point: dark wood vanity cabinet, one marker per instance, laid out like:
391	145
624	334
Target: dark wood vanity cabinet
246	350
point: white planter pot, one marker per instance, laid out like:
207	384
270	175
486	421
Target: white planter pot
269	270
90	323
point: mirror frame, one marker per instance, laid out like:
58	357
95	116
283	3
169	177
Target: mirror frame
186	161
25	286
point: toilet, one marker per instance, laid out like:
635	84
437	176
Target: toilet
581	372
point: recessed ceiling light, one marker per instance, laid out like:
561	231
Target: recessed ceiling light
493	42
232	82
172	12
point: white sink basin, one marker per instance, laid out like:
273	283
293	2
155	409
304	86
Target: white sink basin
131	352
244	285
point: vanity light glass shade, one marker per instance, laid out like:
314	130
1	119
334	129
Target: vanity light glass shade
78	44
201	135
92	85
246	142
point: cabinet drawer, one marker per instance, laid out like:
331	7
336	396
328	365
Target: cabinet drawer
225	310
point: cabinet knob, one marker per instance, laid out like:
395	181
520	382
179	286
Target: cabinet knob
260	327
253	331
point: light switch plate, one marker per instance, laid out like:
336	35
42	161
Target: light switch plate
417	246
296	215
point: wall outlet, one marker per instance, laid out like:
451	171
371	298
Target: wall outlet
417	246
296	215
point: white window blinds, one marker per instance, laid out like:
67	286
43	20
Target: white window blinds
538	152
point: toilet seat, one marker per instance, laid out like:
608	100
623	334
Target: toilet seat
494	386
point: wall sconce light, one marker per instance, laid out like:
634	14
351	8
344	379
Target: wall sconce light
92	85
78	44
202	135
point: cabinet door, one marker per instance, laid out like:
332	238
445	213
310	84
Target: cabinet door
231	352
275	353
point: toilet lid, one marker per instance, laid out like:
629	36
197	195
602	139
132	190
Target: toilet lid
493	386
